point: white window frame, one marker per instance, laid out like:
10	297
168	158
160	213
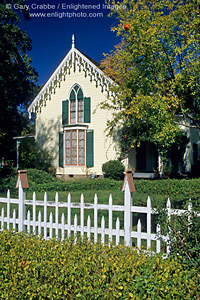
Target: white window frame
77	129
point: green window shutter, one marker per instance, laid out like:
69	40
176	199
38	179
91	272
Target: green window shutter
89	148
65	112
87	110
61	158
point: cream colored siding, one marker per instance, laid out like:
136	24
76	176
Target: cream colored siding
49	123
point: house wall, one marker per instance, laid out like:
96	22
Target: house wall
49	124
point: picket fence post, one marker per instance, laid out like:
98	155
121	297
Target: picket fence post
128	188
22	185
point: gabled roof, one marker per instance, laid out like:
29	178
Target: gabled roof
74	59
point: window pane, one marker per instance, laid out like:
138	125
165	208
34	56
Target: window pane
80	110
81	146
74	147
76	87
73	111
72	154
68	147
80	94
72	95
68	160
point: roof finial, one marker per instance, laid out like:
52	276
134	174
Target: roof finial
73	41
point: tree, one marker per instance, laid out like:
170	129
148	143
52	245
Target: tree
155	70
17	76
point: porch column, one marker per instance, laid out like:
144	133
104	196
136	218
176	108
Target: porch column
160	165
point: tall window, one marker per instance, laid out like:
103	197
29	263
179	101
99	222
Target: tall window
76	105
75	147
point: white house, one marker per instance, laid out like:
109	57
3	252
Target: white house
65	122
67	126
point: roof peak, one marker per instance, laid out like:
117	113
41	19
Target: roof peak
74	59
73	41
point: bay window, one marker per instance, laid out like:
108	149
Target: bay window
75	147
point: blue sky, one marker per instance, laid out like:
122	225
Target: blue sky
52	36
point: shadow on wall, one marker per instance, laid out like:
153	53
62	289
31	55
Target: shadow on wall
47	136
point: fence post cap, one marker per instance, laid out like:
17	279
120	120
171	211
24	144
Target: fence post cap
22	177
129	177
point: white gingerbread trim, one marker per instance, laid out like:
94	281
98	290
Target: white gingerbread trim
74	59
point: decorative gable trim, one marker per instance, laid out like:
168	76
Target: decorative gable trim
73	61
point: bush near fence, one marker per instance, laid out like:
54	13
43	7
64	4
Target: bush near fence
31	268
39	181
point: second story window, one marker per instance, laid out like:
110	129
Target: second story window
76	105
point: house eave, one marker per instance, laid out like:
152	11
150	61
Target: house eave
74	59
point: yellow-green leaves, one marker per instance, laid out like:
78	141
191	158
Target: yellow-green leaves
86	271
155	68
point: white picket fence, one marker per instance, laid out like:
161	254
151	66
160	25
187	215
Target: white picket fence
39	221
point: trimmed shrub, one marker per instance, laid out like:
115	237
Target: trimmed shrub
178	190
113	169
31	268
41	181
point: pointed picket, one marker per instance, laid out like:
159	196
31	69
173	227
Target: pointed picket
88	227
110	219
45	216
14	220
168	227
39	223
56	215
95	218
189	214
28	222
51	225
69	216
8	210
117	231
158	238
2	218
82	215
103	230
139	234
75	228
148	223
34	213
62	227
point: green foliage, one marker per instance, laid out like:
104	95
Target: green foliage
113	169
179	191
184	234
18	88
27	152
8	182
155	70
32	156
31	268
41	181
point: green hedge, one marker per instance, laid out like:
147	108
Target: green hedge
39	181
180	189
31	268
